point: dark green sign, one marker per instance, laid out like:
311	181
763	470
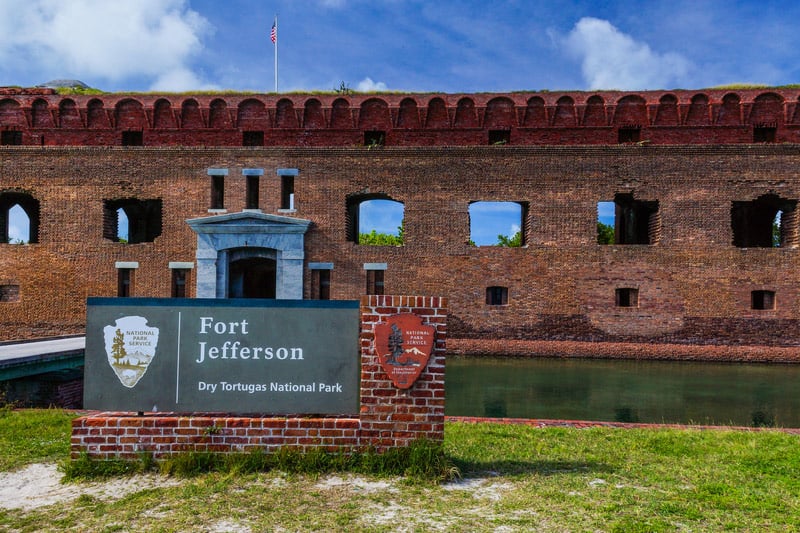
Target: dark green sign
232	356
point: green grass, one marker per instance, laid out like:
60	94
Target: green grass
421	461
514	478
33	436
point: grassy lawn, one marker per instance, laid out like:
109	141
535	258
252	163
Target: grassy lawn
514	478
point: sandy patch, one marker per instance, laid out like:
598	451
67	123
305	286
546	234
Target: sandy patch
39	485
356	483
480	488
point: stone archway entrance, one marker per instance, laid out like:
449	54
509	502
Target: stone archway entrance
251	277
250	255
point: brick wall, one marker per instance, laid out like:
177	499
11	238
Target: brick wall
694	285
389	417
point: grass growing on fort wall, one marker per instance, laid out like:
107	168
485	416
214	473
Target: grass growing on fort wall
514	478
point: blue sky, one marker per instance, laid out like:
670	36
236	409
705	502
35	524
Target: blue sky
400	45
408	45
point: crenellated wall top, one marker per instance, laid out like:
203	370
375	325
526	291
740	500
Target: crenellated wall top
32	112
25	97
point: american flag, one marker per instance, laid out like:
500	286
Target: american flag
273	34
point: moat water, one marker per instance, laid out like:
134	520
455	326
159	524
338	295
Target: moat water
625	391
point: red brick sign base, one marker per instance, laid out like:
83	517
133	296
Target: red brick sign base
389	417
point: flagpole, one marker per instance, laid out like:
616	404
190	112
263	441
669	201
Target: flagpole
275	41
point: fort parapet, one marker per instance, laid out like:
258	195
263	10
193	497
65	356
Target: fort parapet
713	116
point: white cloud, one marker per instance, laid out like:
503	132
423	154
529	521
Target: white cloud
181	79
103	39
611	59
368	86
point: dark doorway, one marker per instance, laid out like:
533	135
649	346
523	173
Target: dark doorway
252	277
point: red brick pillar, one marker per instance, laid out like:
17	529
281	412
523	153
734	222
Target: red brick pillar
391	416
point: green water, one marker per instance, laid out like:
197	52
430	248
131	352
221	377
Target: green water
625	391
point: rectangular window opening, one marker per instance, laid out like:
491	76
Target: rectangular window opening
628	221
499	137
11	138
374	138
762	300
124	282
253	138
179	281
763	134
217	192
375	281
132	138
626	297
629	135
496	295
287	192
321	284
251	201
9	293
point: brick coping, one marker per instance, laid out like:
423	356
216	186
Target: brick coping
623	350
200	420
584	424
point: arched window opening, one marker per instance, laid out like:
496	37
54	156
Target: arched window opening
497	224
631	111
69	117
96	116
437	114
535	113
131	221
19	218
130	115
219	117
341	117
252	115
408	115
40	114
766	222
565	112
191	116
730	110
595	113
667	111
628	221
374	115
122	226
162	115
465	114
19	226
698	111
375	220
285	116
500	114
313	115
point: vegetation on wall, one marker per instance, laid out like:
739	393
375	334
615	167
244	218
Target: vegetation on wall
373	238
605	233
514	241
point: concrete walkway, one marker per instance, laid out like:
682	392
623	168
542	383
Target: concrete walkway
36	357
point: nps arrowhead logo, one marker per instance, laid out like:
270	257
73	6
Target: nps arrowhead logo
404	346
130	347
